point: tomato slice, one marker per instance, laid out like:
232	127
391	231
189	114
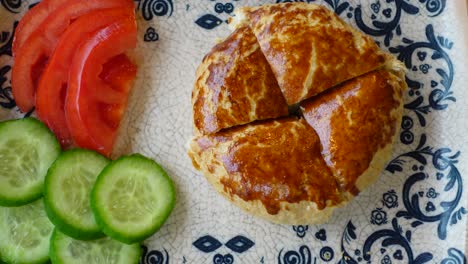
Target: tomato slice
92	118
33	55
31	21
51	91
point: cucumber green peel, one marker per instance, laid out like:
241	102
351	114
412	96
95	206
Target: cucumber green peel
132	198
67	192
85	197
27	149
66	250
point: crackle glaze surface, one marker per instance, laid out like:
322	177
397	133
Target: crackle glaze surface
415	213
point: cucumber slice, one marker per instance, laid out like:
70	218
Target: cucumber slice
25	234
132	198
27	149
66	250
67	192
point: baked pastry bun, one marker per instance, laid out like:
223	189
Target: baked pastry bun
235	85
309	47
294	168
272	168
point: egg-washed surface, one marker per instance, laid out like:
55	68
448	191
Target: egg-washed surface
271	161
309	48
248	164
235	85
354	121
321	161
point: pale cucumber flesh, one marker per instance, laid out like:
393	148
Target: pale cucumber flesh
66	250
132	198
67	193
27	149
25	233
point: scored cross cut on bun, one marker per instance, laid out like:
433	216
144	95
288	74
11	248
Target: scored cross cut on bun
356	123
309	48
272	168
297	169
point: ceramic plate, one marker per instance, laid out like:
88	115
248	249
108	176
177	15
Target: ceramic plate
415	213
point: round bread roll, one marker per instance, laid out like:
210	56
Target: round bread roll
348	107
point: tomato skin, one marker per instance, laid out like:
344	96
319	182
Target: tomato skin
92	120
31	21
36	50
51	91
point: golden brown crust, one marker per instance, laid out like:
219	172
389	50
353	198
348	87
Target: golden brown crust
309	48
290	170
235	85
354	121
236	161
303	212
271	161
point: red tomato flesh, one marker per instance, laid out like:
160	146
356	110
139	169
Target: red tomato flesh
32	56
119	72
51	91
92	118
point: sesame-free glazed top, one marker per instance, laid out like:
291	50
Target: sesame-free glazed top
298	170
354	121
309	48
271	161
235	85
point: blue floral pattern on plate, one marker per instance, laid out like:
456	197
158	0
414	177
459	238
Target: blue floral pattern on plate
415	214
